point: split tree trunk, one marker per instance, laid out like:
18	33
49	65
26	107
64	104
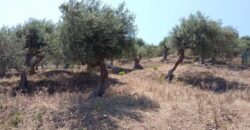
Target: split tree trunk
170	75
137	63
100	90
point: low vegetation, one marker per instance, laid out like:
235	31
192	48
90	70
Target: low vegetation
200	97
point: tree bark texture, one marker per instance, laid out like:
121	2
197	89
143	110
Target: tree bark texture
23	85
100	90
137	64
170	75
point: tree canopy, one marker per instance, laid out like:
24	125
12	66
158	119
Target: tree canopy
205	37
92	31
10	50
38	39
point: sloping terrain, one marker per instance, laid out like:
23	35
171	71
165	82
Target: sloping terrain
199	98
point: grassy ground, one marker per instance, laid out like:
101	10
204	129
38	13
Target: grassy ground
199	98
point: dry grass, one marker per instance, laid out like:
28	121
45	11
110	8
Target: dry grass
199	98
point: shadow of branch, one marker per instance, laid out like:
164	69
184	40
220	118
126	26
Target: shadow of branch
59	81
102	113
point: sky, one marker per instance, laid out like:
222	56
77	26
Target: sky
154	18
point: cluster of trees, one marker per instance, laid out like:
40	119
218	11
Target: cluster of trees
91	32
141	49
25	46
10	54
205	38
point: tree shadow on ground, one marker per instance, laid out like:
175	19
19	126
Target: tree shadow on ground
236	67
207	81
119	70
58	81
56	72
104	113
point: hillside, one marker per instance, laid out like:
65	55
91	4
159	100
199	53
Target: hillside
199	98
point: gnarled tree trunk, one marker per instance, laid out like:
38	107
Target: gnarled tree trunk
201	60
181	54
165	53
137	63
100	90
35	64
23	85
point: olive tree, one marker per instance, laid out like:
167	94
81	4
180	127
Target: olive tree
227	44
205	37
136	52
35	35
38	36
164	46
12	53
244	49
92	32
10	50
54	50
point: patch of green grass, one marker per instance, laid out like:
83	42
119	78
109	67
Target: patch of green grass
162	79
39	116
16	119
121	73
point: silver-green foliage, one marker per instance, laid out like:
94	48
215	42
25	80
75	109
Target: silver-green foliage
205	37
11	54
92	31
